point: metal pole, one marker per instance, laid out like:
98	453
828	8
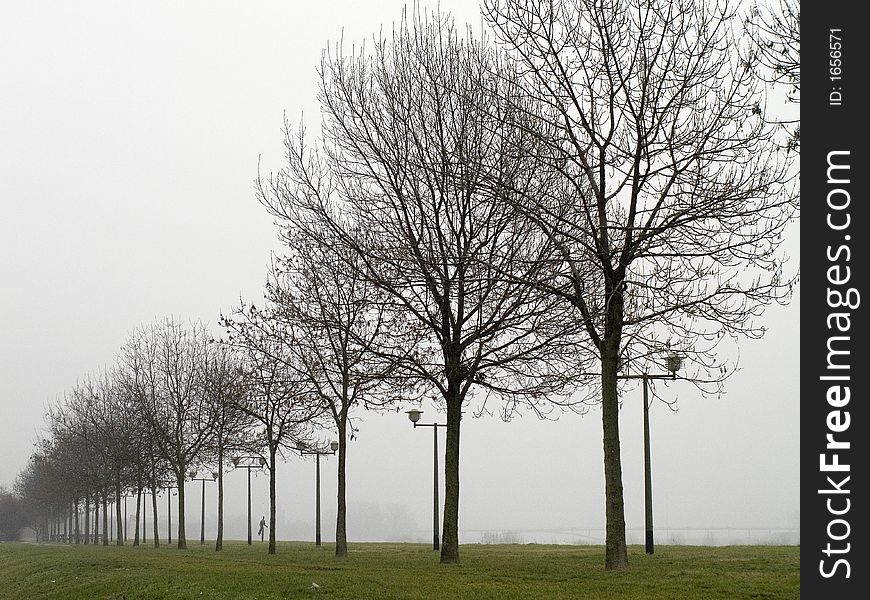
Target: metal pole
249	505
144	517
202	517
647	471
169	515
436	544
317	518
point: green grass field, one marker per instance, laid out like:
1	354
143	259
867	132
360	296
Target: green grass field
386	571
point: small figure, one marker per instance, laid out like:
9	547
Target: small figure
263	527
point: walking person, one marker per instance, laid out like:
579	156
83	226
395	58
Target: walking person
263	527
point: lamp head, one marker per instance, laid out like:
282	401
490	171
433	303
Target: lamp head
414	414
333	445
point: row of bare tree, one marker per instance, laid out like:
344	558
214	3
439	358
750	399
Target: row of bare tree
520	216
176	403
596	184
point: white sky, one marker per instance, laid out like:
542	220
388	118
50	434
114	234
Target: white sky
129	141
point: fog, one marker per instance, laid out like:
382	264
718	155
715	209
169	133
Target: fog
130	136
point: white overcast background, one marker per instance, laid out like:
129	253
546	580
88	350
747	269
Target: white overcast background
130	135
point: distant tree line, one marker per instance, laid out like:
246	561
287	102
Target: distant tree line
14	515
511	220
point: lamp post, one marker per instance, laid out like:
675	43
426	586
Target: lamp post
414	416
124	536
672	363
169	489
126	515
249	462
303	450
193	477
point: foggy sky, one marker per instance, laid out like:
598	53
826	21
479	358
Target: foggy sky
130	136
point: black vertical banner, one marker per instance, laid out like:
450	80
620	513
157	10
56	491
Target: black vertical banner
834	273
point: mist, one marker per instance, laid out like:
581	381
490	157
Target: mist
131	138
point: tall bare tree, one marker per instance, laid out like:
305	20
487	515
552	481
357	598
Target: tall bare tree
672	194
109	412
93	434
86	459
164	373
398	184
338	319
46	486
226	386
279	402
40	487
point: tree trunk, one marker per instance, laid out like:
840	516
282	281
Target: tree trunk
272	549
87	536
219	540
96	520
341	512
450	535
182	537
105	519
77	523
616	552
154	514
138	508
118	517
144	492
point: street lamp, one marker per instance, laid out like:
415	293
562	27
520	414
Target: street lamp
126	514
414	416
303	450
124	537
672	363
249	462
169	489
193	477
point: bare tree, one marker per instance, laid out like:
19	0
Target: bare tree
278	401
84	404
673	195
72	456
80	463
338	319
44	490
225	380
398	184
41	488
94	437
163	371
15	516
72	428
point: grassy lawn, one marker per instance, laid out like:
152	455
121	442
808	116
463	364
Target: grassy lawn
401	571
